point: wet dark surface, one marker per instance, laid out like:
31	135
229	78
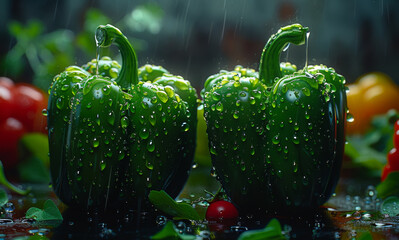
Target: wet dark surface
354	210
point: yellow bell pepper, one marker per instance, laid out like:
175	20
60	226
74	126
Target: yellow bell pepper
372	94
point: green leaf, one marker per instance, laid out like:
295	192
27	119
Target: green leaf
271	231
166	204
3	197
390	206
369	150
37	145
34	28
25	34
362	154
389	187
8	185
49	212
145	18
32	170
15	28
33	149
94	17
169	232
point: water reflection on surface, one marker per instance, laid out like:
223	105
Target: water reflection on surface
352	212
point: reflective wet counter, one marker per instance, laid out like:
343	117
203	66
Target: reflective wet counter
353	212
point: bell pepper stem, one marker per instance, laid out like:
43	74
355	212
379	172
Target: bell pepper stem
269	68
108	34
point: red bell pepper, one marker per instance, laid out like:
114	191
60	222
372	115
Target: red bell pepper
393	155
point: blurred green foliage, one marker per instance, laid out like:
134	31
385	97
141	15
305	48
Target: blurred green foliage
34	160
46	54
85	39
369	151
146	17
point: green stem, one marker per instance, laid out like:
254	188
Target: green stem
7	184
108	34
269	68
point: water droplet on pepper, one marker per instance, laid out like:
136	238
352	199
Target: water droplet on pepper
124	122
150	146
60	103
162	96
96	142
144	133
111	118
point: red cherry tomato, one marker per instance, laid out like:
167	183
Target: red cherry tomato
393	159
6	102
28	105
392	163
221	210
396	134
11	130
393	155
21	107
6	82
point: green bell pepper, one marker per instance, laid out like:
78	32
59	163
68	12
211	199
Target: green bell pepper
105	66
188	94
112	141
277	141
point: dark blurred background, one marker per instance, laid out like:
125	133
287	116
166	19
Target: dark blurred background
197	38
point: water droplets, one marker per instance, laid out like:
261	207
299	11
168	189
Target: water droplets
111	118
60	103
320	78
169	91
65	87
185	126
103	165
96	142
144	133
106	90
181	84
350	118
216	96
236	114
150	146
213	150
124	122
307	50
286	47
243	95
327	97
163	96
296	126
306	91
252	150
243	136
276	139
152	120
219	106
295	139
149	165
295	166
